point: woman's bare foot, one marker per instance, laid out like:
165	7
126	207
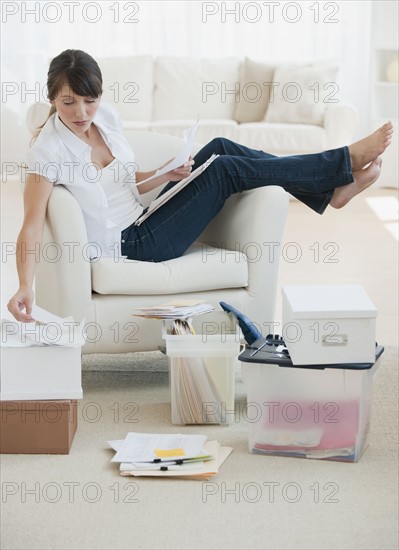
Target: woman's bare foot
362	179
367	149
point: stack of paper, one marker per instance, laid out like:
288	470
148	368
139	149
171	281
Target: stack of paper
162	199
192	387
48	330
182	309
181	157
169	455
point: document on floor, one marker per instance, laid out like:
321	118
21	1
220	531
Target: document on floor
201	467
143	447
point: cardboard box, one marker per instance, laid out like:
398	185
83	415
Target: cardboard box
37	427
40	372
307	412
325	324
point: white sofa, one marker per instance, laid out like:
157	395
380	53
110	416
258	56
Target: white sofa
236	260
282	109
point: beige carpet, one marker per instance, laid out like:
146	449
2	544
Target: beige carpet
79	501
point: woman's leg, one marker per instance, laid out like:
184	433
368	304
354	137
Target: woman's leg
314	178
315	199
170	230
222	146
361	152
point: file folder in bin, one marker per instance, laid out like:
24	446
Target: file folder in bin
202	369
306	411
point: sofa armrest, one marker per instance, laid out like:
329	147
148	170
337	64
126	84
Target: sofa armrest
253	223
63	278
339	124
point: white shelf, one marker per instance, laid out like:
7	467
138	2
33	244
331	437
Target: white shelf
385	100
382	59
385	96
386	84
384	93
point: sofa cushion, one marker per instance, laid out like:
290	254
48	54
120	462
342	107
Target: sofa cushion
186	87
255	87
202	267
300	94
136	125
207	129
128	82
284	139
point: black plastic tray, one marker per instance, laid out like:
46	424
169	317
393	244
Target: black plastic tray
265	351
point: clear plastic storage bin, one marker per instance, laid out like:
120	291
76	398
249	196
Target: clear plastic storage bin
202	369
307	411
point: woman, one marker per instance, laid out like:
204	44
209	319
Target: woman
81	146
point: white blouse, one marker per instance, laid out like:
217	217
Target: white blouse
122	195
62	157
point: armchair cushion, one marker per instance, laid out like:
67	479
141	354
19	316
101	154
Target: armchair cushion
202	267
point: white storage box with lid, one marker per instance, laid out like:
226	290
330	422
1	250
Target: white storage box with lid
307	411
324	324
202	369
32	371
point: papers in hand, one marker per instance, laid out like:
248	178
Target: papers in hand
202	459
183	309
181	157
162	199
48	330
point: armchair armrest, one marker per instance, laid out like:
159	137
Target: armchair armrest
253	223
63	279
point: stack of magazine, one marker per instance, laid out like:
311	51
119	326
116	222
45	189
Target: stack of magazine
182	309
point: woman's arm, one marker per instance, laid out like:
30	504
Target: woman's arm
174	175
36	195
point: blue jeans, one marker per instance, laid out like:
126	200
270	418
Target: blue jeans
171	229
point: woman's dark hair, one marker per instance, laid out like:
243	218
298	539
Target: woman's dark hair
77	69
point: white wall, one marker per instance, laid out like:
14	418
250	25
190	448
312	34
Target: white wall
34	32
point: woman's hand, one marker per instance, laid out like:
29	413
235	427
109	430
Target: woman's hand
22	299
173	175
179	173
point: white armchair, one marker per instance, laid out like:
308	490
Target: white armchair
235	260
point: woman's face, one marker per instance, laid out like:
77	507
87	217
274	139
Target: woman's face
75	111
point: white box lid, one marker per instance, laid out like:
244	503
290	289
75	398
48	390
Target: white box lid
330	301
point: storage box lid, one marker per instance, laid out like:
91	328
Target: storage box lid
268	351
328	301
